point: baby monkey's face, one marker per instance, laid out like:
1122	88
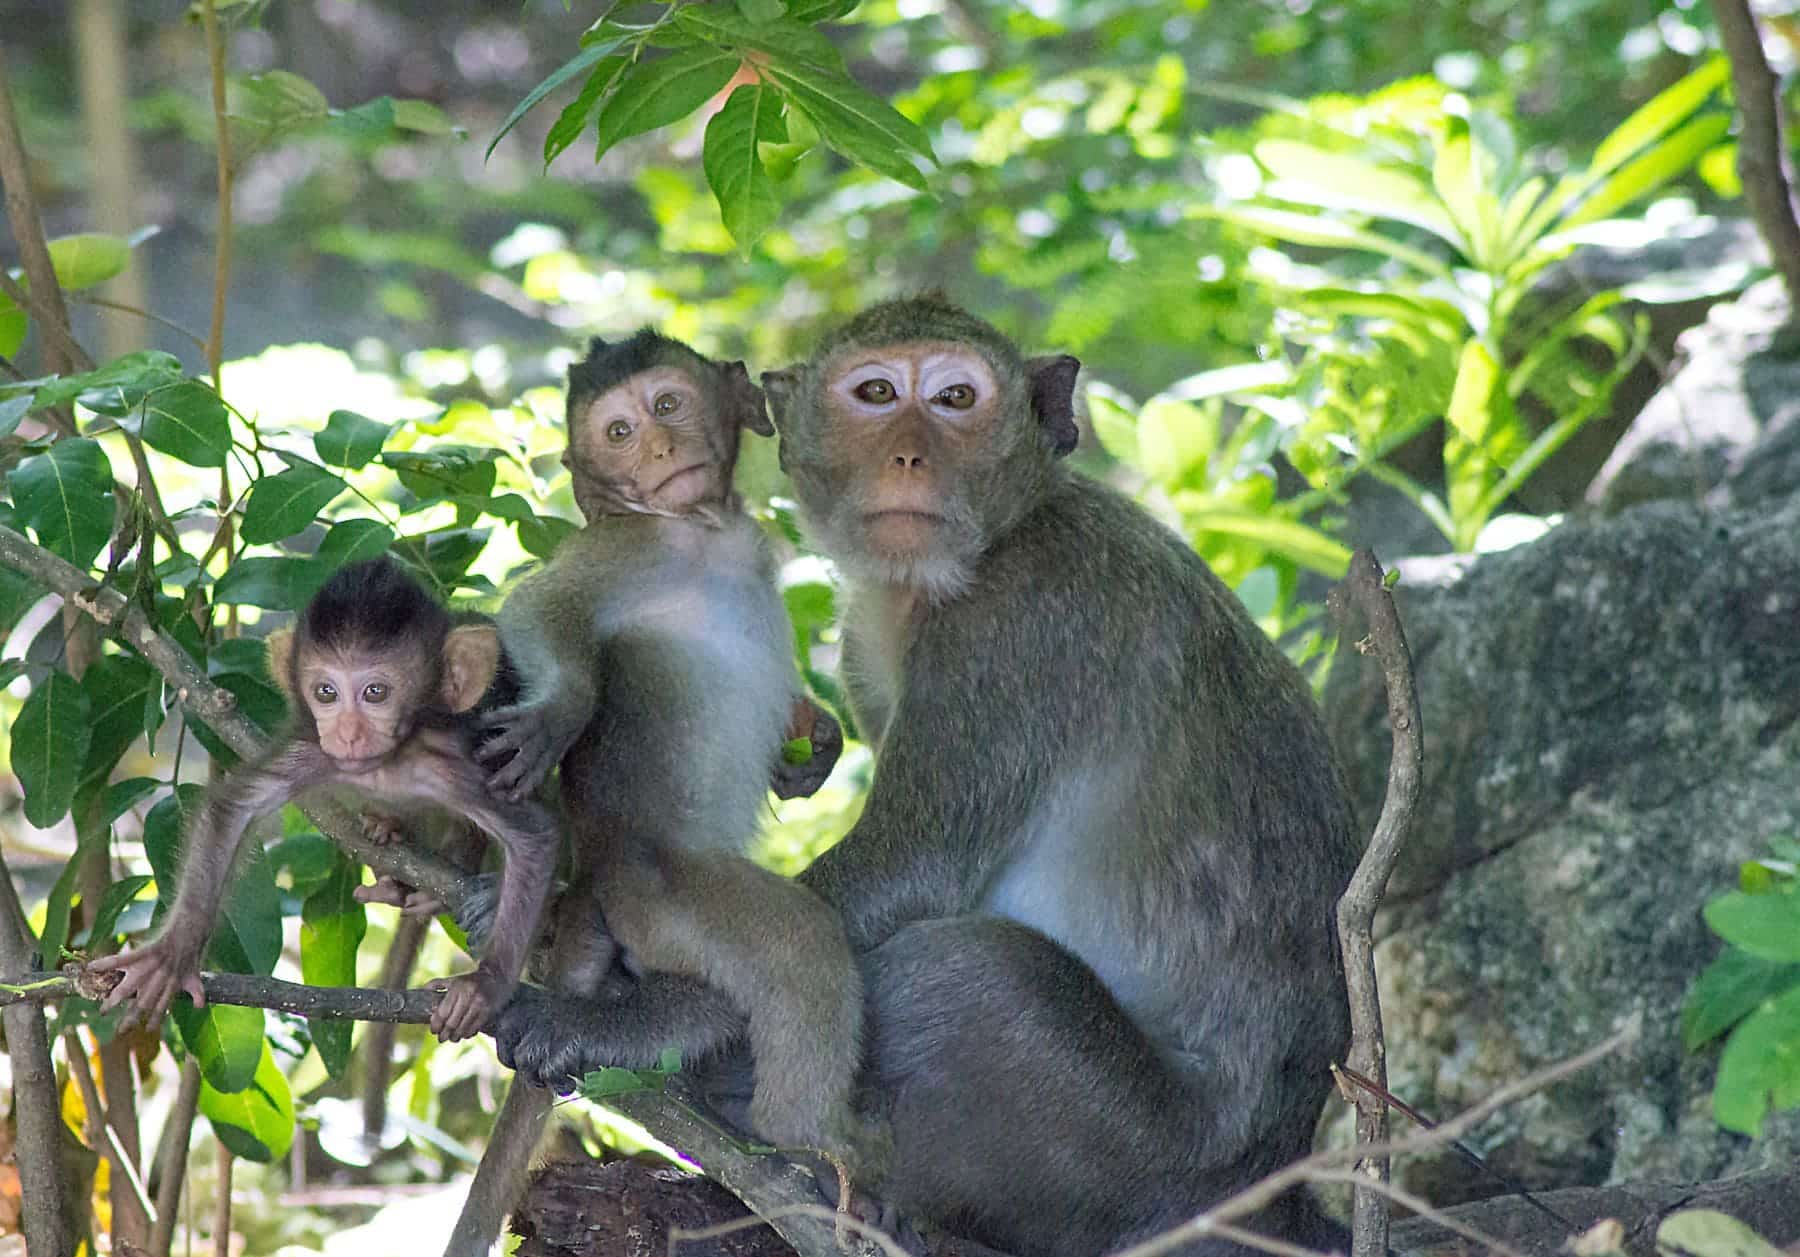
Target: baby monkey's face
650	440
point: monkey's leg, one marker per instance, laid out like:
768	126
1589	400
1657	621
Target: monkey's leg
779	954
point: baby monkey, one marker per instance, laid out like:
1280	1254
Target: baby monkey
384	690
657	663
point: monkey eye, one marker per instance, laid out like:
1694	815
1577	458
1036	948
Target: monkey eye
325	692
375	692
877	392
666	403
618	430
956	397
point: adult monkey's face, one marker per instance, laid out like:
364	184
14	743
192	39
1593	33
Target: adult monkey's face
916	436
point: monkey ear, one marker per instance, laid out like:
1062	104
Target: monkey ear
752	405
1053	399
779	387
471	657
279	646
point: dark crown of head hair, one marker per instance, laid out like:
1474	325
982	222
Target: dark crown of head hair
606	365
928	316
372	603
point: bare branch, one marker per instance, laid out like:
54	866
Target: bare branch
1762	161
344	1003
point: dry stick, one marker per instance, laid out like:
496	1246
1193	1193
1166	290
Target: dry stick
215	57
1329	1164
102	1136
1762	152
1364	588
36	1110
222	1214
205	701
173	1156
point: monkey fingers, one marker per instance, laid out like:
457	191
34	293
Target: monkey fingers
382	829
523	744
385	890
150	979
469	1001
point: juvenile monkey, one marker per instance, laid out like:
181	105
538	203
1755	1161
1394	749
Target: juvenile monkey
383	689
1093	883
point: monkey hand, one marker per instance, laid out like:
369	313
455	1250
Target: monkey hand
523	743
397	894
151	976
469	1003
535	1038
812	722
475	914
382	829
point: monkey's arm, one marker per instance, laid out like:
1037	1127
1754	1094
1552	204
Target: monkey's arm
547	626
156	972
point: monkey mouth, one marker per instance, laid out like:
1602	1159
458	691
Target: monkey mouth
903	515
673	476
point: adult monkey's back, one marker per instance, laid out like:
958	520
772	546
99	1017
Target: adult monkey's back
1091	764
1094	879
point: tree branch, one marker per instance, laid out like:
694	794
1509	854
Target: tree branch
1364	589
243	990
1762	152
217	707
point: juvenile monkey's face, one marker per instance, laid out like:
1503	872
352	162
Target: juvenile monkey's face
651	441
361	704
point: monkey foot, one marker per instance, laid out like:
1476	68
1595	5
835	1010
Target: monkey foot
382	829
468	1004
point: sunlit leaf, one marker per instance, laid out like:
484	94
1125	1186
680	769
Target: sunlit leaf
1116	428
573	120
734	168
332	925
1322	232
350	440
283	504
1288	538
762	10
1660	114
65	496
1766	926
1471	400
1728	990
88	259
1331	180
423	117
1759	1069
850	119
655	93
1175	440
352	540
1649	171
590	56
49	745
257	1121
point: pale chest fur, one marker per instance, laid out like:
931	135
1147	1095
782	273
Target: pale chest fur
880	621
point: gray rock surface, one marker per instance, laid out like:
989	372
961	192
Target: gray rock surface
1726	428
1610	728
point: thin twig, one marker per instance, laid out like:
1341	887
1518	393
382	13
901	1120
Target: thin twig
215	58
177	1132
100	1134
1424	1209
1364	588
1762	159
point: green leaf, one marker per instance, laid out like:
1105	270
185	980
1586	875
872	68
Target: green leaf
1760	1067
49	745
57	908
793	41
423	117
352	540
283	504
612	1081
1709	1233
1661	114
84	260
1767	926
444	470
1318	231
188	422
1644	174
350	440
1430	315
573	120
117	388
1471	399
861	126
1175	440
257	1121
1116	427
14	323
247	938
117	687
226	1040
1728	990
65	496
655	93
449	552
1464	180
734	168
122	796
811	606
1317	176
586	59
332	925
1295	541
762	10
118	897
272	582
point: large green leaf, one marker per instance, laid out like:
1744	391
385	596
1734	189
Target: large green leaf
856	123
1321	232
573	120
65	496
778	37
188	422
226	1040
1727	990
283	504
257	1121
247	937
273	582
332	925
1660	114
1760	1067
734	167
1463	176
1289	538
49	745
352	540
1317	176
81	261
655	93
1175	441
118	387
1649	171
586	59
444	470
117	687
1767	926
350	440
1471	410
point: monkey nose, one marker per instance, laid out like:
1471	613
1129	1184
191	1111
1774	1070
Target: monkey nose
911	462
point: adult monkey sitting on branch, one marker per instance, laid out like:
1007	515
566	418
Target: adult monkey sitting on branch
1094	881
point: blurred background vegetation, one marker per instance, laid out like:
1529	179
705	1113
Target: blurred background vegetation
1312	253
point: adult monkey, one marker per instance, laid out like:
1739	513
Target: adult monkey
1095	876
